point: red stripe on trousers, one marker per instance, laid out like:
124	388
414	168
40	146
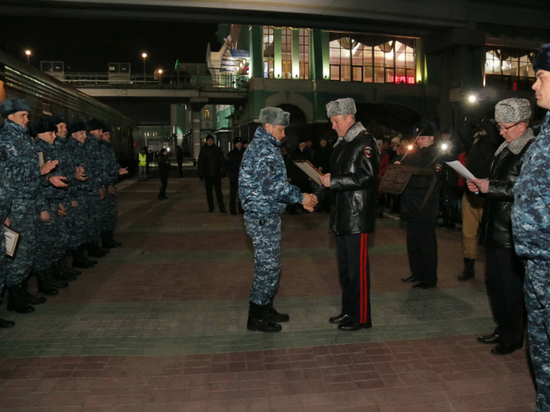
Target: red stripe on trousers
364	282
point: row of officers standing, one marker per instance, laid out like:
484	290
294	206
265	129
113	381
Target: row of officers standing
57	192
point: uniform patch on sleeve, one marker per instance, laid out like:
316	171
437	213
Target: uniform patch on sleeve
368	151
438	167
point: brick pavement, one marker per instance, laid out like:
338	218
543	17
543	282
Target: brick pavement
159	325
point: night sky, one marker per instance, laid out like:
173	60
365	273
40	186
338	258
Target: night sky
88	45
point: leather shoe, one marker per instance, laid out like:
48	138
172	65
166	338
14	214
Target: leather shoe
504	349
409	279
6	323
422	285
352	327
490	339
340	319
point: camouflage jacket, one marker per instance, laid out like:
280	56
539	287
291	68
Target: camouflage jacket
97	175
110	164
530	212
263	188
20	161
78	157
50	193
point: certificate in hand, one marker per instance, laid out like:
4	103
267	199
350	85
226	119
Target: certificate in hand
12	241
310	170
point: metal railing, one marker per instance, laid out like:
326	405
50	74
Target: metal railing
165	81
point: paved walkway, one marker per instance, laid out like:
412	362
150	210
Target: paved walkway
159	325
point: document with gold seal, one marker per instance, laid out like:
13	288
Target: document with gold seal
307	167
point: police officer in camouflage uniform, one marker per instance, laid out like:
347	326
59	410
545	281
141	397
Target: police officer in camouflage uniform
265	193
97	178
110	208
49	248
5	203
25	179
79	193
531	228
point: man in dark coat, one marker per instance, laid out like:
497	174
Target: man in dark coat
234	159
164	170
352	184
211	168
420	206
505	272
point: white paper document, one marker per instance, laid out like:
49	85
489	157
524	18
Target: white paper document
12	241
462	171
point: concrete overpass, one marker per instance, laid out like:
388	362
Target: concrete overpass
416	18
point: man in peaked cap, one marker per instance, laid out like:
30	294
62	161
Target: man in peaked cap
265	193
420	206
352	184
504	269
531	228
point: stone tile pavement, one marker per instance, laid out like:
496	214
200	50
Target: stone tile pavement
159	325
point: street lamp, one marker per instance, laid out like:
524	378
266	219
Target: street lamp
28	53
144	55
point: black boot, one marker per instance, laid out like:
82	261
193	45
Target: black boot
31	299
107	240
45	283
469	270
257	320
95	251
61	276
6	323
17	301
273	316
63	265
82	262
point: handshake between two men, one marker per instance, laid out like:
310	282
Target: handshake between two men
309	202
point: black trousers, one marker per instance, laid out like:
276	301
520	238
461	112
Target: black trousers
354	273
504	279
422	250
163	183
216	183
180	169
234	202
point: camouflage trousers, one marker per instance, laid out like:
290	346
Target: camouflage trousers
93	208
23	220
2	264
537	302
47	245
265	232
109	213
75	223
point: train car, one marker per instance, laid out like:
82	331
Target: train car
48	96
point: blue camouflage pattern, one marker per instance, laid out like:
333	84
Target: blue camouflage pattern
5	205
96	179
263	185
531	229
265	232
22	168
111	170
265	192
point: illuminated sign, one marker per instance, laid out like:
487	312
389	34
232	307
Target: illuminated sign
403	79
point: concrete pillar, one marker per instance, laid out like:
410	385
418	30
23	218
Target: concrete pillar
256	52
196	105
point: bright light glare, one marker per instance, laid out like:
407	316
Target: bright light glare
472	98
410	147
144	55
28	52
444	146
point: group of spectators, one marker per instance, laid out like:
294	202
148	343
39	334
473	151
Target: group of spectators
57	194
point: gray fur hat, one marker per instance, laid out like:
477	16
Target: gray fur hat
275	116
341	107
12	106
512	110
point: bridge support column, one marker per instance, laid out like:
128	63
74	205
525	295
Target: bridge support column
196	105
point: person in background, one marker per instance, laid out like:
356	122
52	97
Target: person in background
179	159
142	165
384	163
211	168
164	170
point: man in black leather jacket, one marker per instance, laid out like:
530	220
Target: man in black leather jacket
211	169
505	272
420	206
352	184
